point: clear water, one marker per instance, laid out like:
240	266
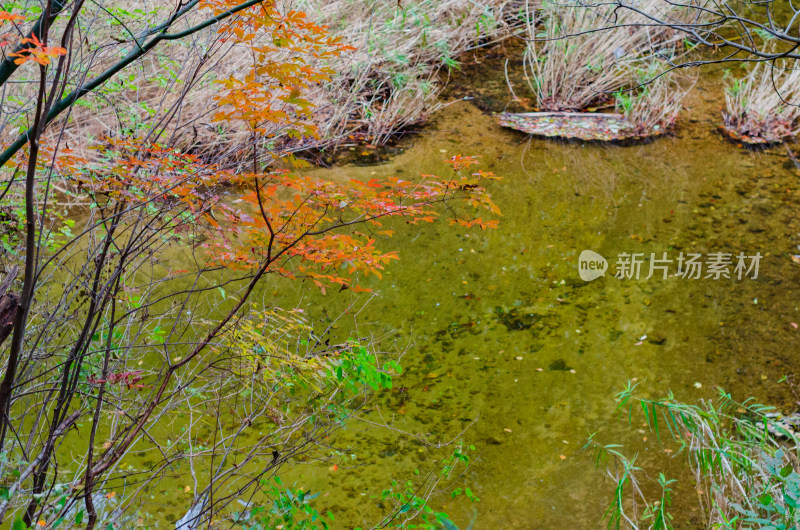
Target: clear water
509	350
501	329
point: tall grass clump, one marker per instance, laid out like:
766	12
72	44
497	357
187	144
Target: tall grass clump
401	53
765	103
743	461
392	79
578	55
653	105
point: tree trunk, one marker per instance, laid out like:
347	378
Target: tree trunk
9	304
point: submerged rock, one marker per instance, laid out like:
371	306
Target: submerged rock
595	126
559	365
516	319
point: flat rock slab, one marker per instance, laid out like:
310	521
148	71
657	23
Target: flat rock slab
602	127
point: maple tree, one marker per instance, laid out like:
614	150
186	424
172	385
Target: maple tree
107	335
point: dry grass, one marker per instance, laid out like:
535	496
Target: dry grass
656	102
390	82
765	103
585	53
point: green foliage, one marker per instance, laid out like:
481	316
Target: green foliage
735	87
55	230
747	476
357	367
624	102
290	509
406	496
411	499
777	506
657	513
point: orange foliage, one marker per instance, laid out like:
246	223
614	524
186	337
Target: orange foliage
292	225
295	223
38	52
271	93
5	15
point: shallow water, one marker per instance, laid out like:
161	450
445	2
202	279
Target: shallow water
502	330
509	350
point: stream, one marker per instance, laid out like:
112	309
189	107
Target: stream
507	348
503	330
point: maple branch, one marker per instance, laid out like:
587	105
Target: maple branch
109	458
9	66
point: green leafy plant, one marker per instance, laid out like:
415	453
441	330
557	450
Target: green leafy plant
290	509
411	499
743	458
358	367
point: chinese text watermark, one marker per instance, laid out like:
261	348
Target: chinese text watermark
688	266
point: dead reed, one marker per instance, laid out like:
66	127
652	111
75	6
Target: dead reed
765	103
389	82
584	55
